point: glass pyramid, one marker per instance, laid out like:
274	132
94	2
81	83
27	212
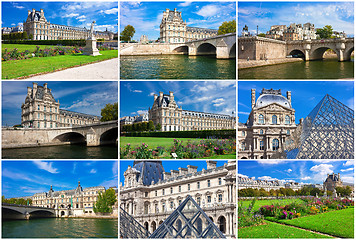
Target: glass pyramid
327	132
130	228
188	221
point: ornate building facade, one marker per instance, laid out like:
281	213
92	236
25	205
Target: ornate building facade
76	202
150	194
174	30
41	110
270	123
245	182
332	181
166	112
37	25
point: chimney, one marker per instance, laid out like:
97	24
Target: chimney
45	87
33	10
41	10
182	171
171	97
160	96
253	98
192	169
34	89
29	91
175	10
210	164
174	173
338	176
28	12
289	96
166	175
154	97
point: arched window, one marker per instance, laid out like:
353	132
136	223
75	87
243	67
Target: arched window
261	131
262	145
274	119
243	133
243	146
261	119
275	144
287	120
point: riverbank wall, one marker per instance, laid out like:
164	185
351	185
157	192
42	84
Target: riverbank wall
243	63
136	49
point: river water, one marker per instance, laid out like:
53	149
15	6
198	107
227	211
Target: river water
60	228
176	67
324	69
62	152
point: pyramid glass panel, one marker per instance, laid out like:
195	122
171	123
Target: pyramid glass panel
130	228
328	132
188	221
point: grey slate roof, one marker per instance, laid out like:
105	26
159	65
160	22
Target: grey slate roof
66	112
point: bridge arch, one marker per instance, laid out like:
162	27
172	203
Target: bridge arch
232	52
297	53
318	53
109	137
41	213
71	137
348	53
206	49
182	49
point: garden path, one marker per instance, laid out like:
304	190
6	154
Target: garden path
107	69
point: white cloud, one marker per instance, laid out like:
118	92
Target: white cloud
241	175
93	171
270	162
348	163
346	170
151	94
47	166
110	11
268	178
184	4
321	171
72	15
306	178
137	91
208	10
218	102
244	113
289	170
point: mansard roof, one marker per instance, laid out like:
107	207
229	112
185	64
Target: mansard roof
333	177
269	96
164	102
36	16
198	29
150	171
71	113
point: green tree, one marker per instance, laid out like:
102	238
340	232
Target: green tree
261	35
227	27
127	33
158	127
325	32
105	201
24	35
109	112
30	37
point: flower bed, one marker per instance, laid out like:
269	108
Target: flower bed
190	150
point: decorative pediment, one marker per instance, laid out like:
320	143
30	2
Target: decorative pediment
208	193
275	107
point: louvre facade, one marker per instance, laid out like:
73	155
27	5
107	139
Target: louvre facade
166	112
41	110
150	195
174	30
37	25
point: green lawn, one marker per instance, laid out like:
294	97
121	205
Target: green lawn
260	203
337	223
26	67
275	230
227	156
23	47
152	142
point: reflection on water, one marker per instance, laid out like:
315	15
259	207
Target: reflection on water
60	228
62	152
325	69
176	67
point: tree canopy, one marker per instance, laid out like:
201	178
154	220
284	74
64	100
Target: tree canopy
19	201
127	33
105	201
227	27
325	32
109	112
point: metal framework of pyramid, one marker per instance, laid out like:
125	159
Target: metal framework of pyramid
130	228
188	221
328	132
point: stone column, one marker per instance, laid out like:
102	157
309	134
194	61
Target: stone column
222	50
192	50
340	47
307	47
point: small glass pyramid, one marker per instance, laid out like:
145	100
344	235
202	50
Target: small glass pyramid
328	132
130	228
188	221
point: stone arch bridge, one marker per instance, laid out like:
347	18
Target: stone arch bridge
93	135
14	211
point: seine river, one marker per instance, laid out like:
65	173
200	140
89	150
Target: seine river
176	67
62	152
325	69
60	228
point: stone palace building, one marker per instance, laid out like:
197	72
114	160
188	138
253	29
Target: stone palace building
332	181
270	123
37	25
150	194
174	30
245	182
166	112
41	110
76	202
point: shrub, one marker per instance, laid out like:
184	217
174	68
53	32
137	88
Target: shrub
246	217
225	133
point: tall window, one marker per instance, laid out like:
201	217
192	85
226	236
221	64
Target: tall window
163	192
287	120
219	181
261	119
243	133
209	199
188	187
220	197
275	144
208	183
198	185
274	119
261	131
180	188
171	190
262	145
243	146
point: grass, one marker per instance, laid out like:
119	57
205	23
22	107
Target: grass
260	203
338	223
27	67
152	142
275	230
23	47
226	156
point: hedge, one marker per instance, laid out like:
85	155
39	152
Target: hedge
63	42
226	133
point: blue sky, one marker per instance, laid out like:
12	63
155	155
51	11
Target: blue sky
305	94
209	96
340	15
78	96
76	14
168	166
25	178
297	171
146	17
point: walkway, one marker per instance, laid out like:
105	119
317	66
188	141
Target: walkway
107	69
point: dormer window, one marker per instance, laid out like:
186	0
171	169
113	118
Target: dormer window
261	119
274	119
287	121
